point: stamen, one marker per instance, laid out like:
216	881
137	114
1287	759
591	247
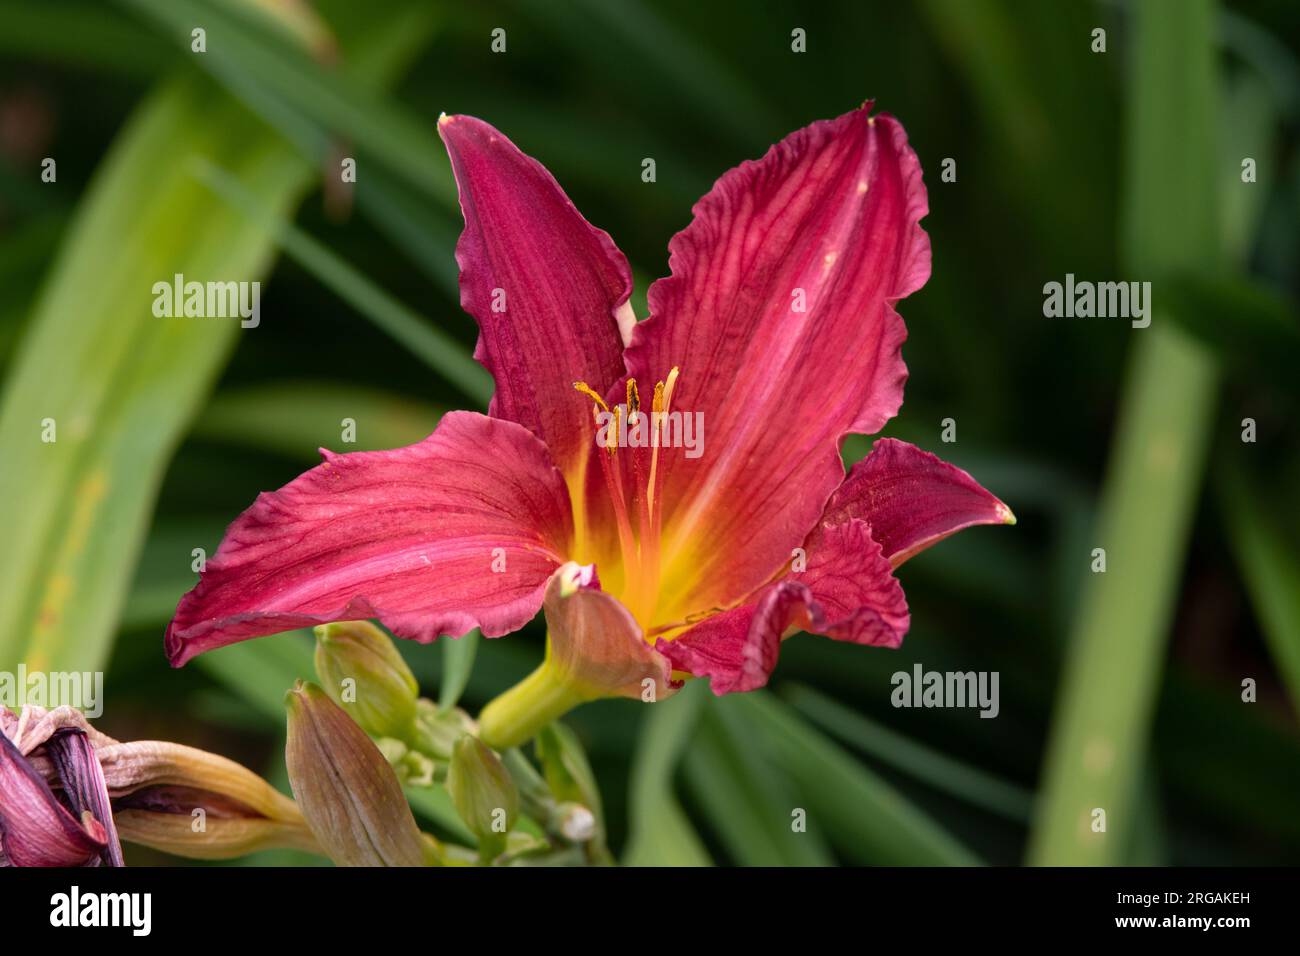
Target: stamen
663	396
690	619
612	447
640	548
590	393
669	385
651	518
612	472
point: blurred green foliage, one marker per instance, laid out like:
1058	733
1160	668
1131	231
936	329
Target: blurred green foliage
1103	165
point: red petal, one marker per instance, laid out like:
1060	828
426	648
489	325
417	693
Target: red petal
912	499
409	536
847	592
832	210
563	281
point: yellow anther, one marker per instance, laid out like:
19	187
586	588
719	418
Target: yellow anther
657	406
633	397
590	393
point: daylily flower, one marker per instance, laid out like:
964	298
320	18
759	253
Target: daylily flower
776	329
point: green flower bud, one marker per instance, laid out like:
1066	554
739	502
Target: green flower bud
362	671
436	731
412	767
483	793
345	787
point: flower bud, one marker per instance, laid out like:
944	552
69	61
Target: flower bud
363	672
577	823
483	793
436	731
349	794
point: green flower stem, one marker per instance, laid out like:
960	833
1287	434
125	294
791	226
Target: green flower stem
516	716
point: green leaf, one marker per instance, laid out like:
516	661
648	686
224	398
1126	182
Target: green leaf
863	816
751	804
634	29
400	190
661	834
23	256
437	349
265	68
1270	570
261	670
81	35
1020	66
297	419
943	773
457	665
1099	739
119	384
1262	340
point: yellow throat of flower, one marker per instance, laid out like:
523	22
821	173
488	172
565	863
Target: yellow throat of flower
637	582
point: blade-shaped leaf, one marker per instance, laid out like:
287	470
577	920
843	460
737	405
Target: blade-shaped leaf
112	384
440	351
1098	746
296	419
940	771
750	803
457	665
661	834
1271	571
863	816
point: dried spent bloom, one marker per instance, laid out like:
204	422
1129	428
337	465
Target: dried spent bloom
196	804
58	769
36	828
